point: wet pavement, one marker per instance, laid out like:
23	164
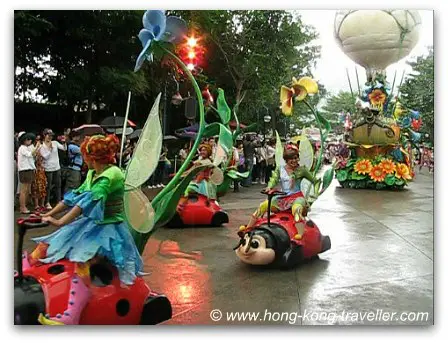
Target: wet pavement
381	262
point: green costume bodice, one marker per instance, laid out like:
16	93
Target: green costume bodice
109	188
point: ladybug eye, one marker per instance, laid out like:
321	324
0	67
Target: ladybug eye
254	244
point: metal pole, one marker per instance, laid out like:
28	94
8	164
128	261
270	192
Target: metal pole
165	109
349	83
357	80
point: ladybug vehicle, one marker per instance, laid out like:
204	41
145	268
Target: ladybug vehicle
276	242
198	210
44	289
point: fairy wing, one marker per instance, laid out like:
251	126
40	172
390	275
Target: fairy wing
146	154
306	152
138	210
279	161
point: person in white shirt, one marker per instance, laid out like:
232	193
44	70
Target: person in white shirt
49	152
26	167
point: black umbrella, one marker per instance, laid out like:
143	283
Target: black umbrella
136	134
115	122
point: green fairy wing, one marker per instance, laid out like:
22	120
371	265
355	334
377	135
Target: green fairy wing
306	152
146	154
138	210
279	161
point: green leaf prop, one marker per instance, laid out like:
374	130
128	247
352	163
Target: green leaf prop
327	178
341	175
223	109
399	182
167	206
235	175
356	176
389	179
326	124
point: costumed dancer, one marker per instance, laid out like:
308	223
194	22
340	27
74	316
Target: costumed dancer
94	227
201	183
286	178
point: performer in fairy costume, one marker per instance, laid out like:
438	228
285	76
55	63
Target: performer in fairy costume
201	183
94	227
287	177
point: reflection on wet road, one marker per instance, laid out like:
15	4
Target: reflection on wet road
381	258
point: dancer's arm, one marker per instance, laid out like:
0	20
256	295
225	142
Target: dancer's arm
66	219
60	207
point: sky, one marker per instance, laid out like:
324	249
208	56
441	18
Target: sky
331	67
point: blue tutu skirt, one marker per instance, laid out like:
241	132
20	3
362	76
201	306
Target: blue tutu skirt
85	238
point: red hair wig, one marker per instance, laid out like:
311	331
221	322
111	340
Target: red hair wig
100	148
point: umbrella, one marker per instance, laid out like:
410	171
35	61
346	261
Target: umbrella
119	131
187	132
89	130
169	138
136	134
115	122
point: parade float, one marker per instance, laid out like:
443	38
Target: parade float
46	290
380	135
287	236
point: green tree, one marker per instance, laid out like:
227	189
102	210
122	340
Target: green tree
253	52
417	91
335	104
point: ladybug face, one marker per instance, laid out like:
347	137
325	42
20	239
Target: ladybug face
254	249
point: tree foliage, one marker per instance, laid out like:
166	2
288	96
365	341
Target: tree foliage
85	59
417	91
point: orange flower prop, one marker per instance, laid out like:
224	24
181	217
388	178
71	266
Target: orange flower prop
377	174
363	167
402	172
387	165
377	97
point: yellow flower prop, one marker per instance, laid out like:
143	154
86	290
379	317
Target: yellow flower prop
363	167
402	172
387	165
377	174
299	90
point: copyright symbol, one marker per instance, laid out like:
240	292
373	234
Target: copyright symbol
216	315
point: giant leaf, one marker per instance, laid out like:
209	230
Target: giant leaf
223	109
166	208
327	178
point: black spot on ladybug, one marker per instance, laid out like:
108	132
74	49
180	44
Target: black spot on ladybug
284	219
56	269
123	307
310	223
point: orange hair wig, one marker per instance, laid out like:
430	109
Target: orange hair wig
100	148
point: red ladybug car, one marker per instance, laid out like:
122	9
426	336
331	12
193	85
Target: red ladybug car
275	241
198	210
45	289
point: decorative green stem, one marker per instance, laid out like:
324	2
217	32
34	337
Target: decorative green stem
192	153
319	159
